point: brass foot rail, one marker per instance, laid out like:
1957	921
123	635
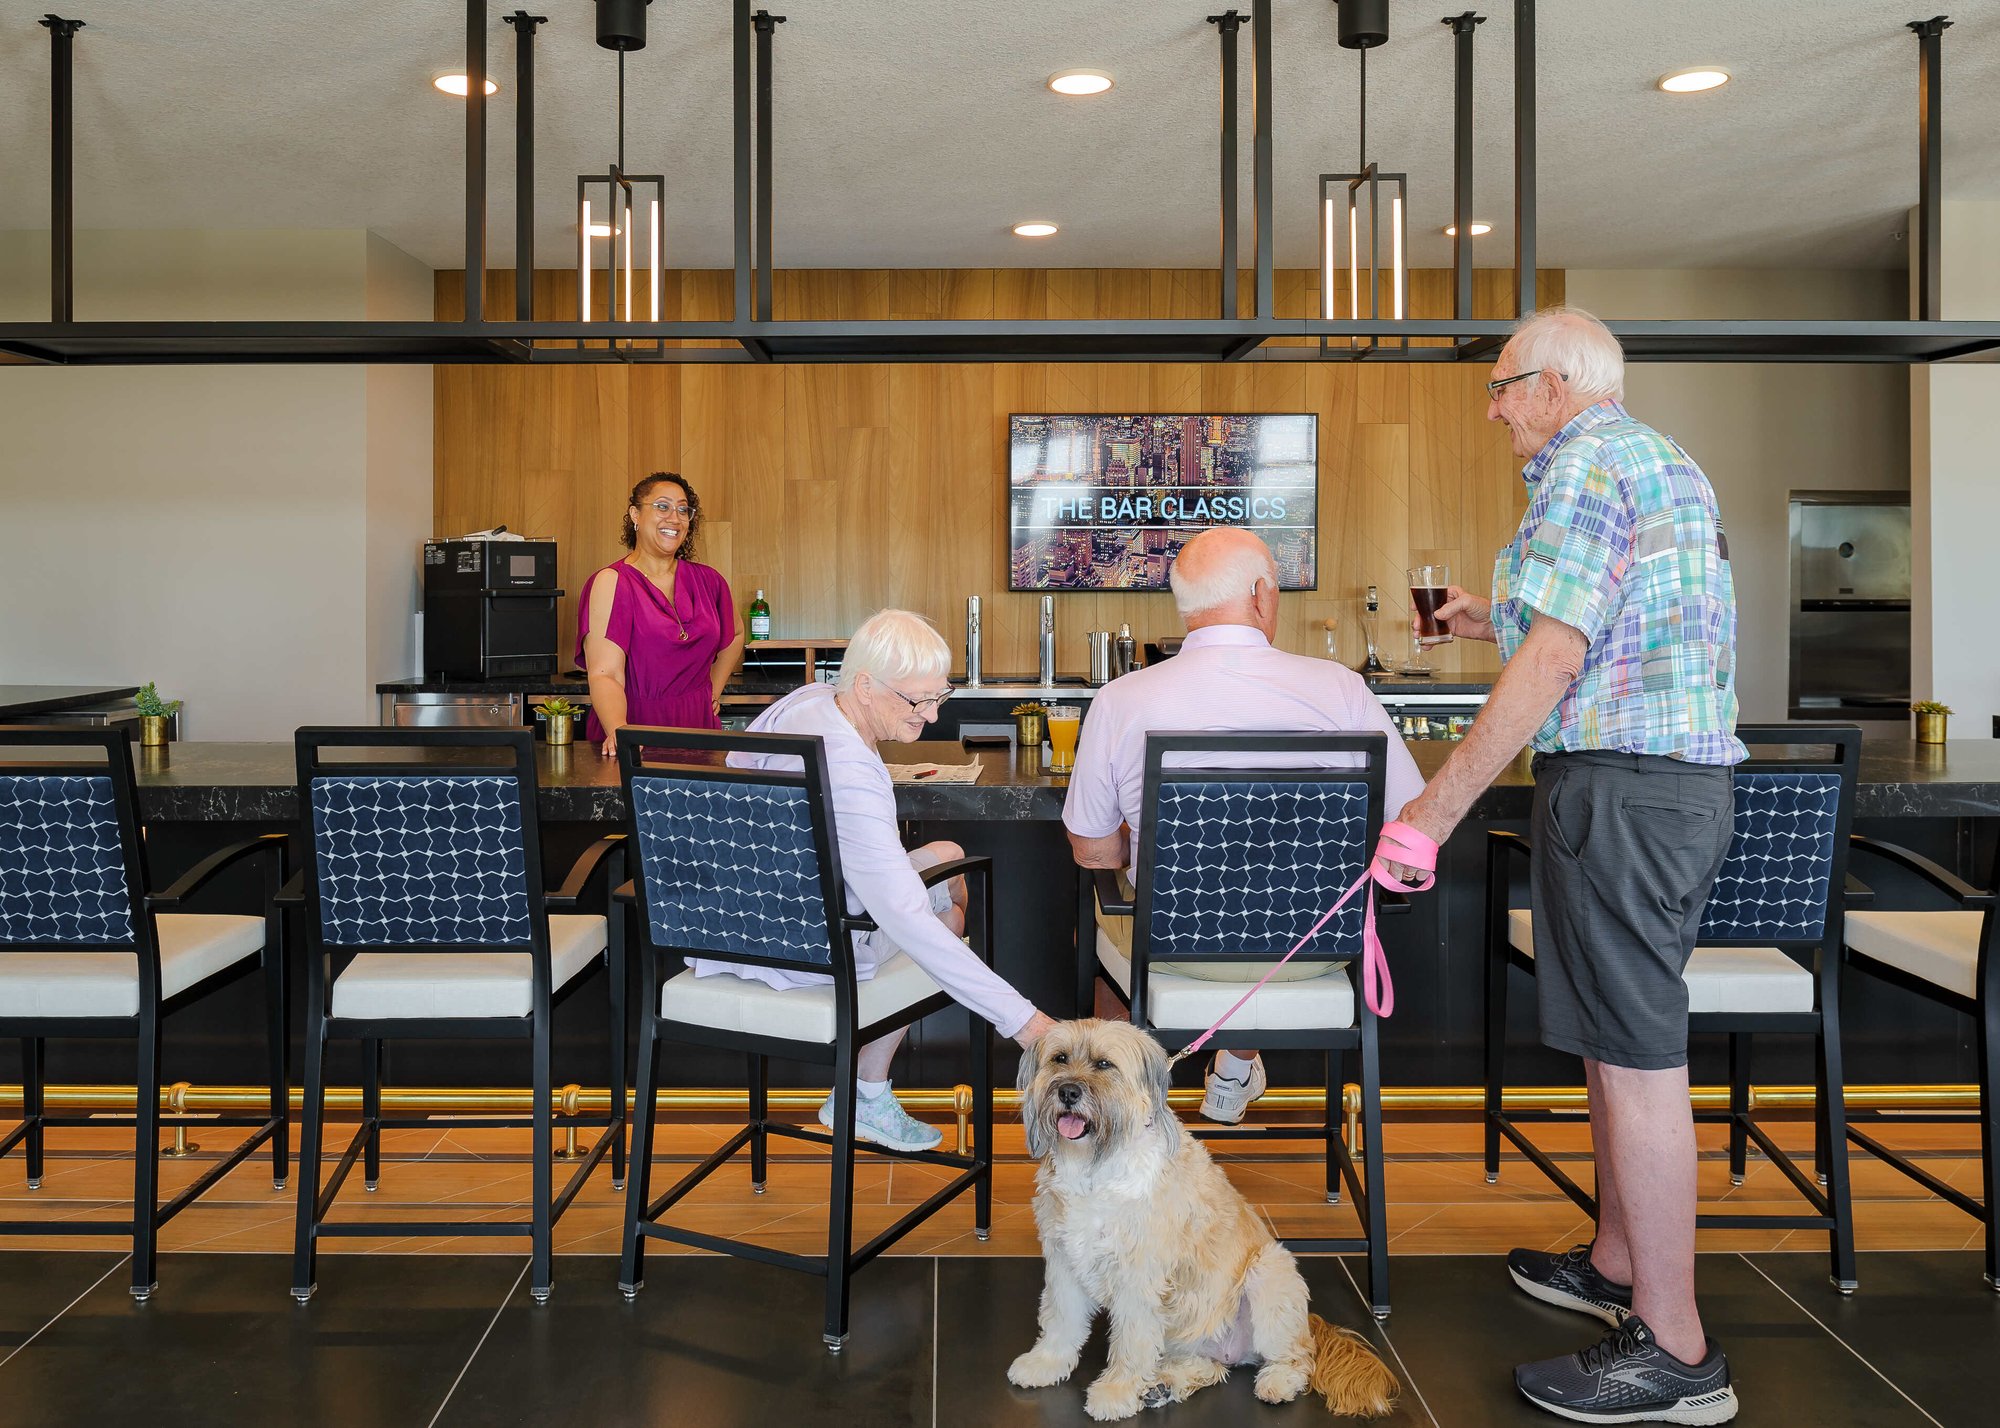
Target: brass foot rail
183	1099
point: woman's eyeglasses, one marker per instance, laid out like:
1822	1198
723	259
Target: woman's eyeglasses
669	508
919	706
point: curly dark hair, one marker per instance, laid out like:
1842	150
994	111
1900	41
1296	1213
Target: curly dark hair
630	534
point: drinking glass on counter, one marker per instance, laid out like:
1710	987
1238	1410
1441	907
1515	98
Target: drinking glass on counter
1064	720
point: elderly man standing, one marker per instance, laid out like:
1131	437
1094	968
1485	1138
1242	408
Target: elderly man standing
1226	679
1616	619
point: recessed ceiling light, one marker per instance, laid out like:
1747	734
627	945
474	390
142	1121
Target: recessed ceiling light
453	82
1693	81
1034	230
1080	82
1478	229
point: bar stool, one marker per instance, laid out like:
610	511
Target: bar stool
1767	960
1234	865
743	866
87	950
1951	958
426	919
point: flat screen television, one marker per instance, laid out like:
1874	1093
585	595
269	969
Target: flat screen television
1105	502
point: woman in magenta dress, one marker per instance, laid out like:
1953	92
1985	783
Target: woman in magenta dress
656	631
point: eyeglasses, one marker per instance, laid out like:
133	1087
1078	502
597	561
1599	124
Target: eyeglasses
918	706
1493	388
669	508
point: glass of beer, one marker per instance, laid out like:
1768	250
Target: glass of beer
1428	586
1064	720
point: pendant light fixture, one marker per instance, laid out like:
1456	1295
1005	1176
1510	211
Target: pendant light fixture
1348	248
621	210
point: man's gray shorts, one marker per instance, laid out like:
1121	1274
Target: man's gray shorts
1626	848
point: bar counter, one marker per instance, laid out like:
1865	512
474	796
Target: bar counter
231	783
195	797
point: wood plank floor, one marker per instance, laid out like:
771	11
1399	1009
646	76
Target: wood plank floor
1439	1201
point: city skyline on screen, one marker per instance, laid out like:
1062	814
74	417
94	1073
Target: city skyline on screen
1105	502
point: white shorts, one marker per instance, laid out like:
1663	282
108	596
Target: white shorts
872	949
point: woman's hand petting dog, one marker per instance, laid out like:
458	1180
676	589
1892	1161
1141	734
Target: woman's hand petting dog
1135	1219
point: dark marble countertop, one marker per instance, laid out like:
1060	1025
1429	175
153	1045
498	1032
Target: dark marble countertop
206	782
18	699
525	684
1395	684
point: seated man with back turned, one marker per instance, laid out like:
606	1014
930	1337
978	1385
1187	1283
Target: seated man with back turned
1226	679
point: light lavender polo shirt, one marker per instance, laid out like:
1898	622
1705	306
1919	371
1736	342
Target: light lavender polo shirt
1226	679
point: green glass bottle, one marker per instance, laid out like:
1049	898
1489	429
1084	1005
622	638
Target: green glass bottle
760	618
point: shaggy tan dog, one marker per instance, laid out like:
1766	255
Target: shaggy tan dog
1137	1220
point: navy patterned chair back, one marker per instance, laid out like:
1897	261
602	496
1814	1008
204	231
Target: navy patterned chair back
423	849
736	863
1237	863
1788	854
69	873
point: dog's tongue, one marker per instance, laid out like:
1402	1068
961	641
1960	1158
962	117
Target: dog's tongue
1072	1126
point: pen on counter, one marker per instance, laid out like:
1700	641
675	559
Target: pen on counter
925	773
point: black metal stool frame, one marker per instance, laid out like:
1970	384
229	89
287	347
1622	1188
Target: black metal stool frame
144	1028
1099	892
1984	1010
432	749
1827	1192
841	1260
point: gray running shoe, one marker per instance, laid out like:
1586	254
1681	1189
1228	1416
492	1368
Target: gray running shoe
1628	1378
1570	1281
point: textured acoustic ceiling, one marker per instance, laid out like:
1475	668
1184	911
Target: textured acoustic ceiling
916	132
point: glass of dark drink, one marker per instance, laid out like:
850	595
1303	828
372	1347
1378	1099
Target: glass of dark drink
1429	587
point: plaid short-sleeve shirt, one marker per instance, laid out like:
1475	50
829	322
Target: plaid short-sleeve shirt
1621	540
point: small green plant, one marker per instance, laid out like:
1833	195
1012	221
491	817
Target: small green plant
559	708
151	706
1026	709
1929	706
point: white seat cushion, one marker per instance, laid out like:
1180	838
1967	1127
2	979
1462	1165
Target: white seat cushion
1719	979
194	946
727	1002
1940	947
1179	1002
380	985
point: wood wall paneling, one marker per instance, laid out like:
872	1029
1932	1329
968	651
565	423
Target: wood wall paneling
840	489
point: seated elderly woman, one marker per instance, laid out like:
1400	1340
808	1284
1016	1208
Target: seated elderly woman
891	683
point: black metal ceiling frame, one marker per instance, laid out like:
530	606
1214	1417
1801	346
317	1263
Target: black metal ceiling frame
753	334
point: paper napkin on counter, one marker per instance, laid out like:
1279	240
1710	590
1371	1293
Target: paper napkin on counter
934	773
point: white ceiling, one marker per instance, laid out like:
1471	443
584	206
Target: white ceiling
915	132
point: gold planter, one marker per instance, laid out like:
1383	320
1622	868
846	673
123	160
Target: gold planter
562	728
1028	730
1931	727
153	730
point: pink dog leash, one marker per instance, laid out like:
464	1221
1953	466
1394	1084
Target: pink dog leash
1399	843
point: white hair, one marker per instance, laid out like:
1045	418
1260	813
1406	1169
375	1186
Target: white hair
1575	344
1227	578
896	647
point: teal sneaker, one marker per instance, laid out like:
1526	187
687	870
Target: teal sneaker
883	1121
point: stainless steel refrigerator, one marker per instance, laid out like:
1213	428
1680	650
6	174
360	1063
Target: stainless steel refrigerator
1850	604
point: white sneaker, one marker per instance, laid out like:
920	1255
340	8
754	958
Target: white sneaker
1227	1098
883	1121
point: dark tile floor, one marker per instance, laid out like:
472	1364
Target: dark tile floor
455	1340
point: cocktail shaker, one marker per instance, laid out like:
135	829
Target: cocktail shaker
1124	653
972	653
1047	670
